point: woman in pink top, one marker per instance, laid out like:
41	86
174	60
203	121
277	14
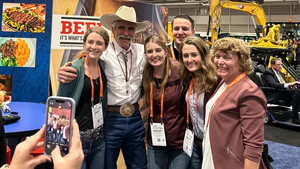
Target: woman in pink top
234	129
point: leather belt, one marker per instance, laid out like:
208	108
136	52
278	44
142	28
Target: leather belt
198	142
117	108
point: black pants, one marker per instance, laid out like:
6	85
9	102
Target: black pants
292	96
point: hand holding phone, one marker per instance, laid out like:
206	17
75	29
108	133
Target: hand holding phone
59	115
74	159
22	157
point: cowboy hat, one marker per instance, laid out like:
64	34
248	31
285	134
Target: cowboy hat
124	13
56	116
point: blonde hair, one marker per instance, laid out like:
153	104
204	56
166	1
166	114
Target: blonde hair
99	30
206	76
149	70
232	46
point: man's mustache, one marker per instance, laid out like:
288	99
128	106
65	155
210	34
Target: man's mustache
124	37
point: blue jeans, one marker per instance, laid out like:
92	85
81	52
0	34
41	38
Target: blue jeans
197	157
94	153
128	134
167	158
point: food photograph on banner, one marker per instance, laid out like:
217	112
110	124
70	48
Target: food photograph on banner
22	17
5	88
17	52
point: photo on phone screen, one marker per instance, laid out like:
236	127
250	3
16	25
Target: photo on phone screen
58	126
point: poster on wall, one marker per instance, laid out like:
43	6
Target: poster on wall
23	17
17	52
25	41
69	35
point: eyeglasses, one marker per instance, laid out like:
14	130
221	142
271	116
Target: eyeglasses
279	64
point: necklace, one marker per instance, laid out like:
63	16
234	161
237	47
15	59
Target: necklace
158	81
96	81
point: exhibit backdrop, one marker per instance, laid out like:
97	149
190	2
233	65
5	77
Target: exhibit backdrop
25	41
71	18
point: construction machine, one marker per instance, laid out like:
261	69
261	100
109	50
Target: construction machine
252	8
268	43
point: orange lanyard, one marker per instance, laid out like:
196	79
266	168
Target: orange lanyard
188	102
172	52
241	76
92	84
161	102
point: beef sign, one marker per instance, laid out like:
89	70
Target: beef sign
68	31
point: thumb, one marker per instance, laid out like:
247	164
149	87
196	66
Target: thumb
68	64
56	155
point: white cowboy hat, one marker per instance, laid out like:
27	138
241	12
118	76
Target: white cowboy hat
124	13
56	116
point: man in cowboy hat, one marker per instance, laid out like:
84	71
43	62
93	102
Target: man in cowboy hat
123	126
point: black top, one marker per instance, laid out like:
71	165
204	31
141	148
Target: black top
83	113
270	79
176	52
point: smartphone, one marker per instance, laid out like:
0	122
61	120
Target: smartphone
59	116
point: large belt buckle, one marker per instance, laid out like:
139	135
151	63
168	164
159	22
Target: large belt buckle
126	110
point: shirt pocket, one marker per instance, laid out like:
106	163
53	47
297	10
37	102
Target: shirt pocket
115	79
234	157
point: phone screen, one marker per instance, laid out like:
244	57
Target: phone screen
58	126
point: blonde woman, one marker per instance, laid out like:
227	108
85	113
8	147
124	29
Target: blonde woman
234	129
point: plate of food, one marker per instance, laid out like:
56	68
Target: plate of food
16	52
25	19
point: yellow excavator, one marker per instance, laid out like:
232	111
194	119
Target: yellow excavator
266	46
252	8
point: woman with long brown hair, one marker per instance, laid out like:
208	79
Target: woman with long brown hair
165	98
198	75
89	90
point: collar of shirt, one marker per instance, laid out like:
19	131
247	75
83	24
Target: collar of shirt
276	73
174	46
118	49
117	86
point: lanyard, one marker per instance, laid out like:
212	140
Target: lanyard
125	74
241	76
92	84
172	51
188	102
161	101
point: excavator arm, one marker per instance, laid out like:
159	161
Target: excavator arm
252	8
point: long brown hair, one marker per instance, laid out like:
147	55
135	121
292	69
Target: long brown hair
149	70
206	76
99	30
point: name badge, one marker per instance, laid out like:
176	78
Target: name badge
97	115
158	134
188	142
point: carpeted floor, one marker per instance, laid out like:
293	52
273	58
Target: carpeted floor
284	145
284	156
